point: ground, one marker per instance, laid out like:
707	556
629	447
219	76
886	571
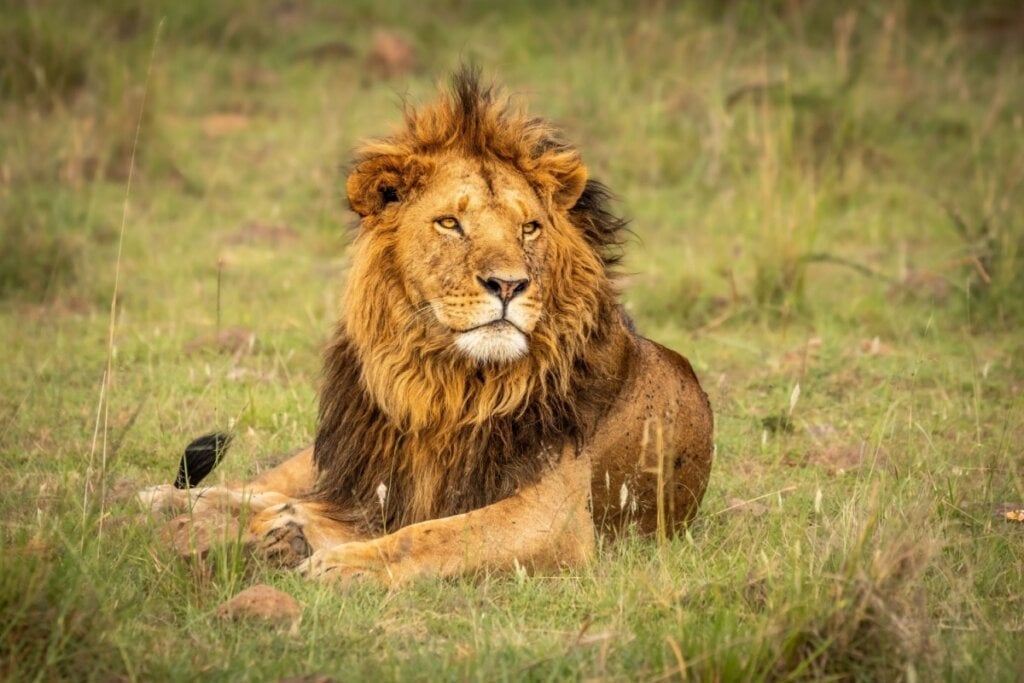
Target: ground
828	221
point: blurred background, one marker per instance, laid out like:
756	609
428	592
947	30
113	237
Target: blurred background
777	158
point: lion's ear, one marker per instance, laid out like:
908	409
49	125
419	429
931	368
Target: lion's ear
382	179
572	185
373	184
564	175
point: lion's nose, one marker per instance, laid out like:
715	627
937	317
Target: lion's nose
506	290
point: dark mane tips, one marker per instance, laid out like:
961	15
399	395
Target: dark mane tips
470	101
605	231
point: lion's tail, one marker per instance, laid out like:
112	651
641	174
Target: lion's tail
201	456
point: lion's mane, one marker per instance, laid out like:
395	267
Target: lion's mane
398	405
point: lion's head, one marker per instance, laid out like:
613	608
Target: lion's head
470	249
480	292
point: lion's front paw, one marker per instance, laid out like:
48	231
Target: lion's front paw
286	544
346	564
278	535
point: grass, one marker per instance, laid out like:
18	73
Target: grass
821	197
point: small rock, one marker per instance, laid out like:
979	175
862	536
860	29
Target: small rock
261	602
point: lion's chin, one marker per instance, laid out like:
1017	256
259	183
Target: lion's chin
496	343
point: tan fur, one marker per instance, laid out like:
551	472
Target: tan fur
485	402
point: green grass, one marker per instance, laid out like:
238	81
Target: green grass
824	199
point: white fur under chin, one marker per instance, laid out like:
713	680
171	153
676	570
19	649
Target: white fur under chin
499	343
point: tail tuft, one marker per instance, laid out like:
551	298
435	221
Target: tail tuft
201	456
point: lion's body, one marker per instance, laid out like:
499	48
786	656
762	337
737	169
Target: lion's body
485	400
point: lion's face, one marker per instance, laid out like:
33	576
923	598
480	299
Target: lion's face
471	252
479	276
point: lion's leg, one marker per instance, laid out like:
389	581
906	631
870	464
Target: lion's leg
545	526
203	498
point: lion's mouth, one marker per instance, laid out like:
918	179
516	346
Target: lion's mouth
496	341
493	325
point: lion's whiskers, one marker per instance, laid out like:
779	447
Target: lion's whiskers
421	311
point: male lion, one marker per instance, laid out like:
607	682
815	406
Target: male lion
486	401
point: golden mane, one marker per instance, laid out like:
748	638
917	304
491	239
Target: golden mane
398	405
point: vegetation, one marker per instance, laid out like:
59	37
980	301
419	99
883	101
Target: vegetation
828	212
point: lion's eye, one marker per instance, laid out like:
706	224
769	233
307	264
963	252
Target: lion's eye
531	228
448	223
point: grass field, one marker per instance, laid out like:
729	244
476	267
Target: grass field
824	199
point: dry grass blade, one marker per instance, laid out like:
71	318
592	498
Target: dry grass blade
103	403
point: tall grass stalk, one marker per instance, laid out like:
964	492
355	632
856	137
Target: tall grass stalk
104	396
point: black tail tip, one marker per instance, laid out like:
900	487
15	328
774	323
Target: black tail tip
200	458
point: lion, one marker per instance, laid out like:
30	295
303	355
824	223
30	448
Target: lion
486	403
